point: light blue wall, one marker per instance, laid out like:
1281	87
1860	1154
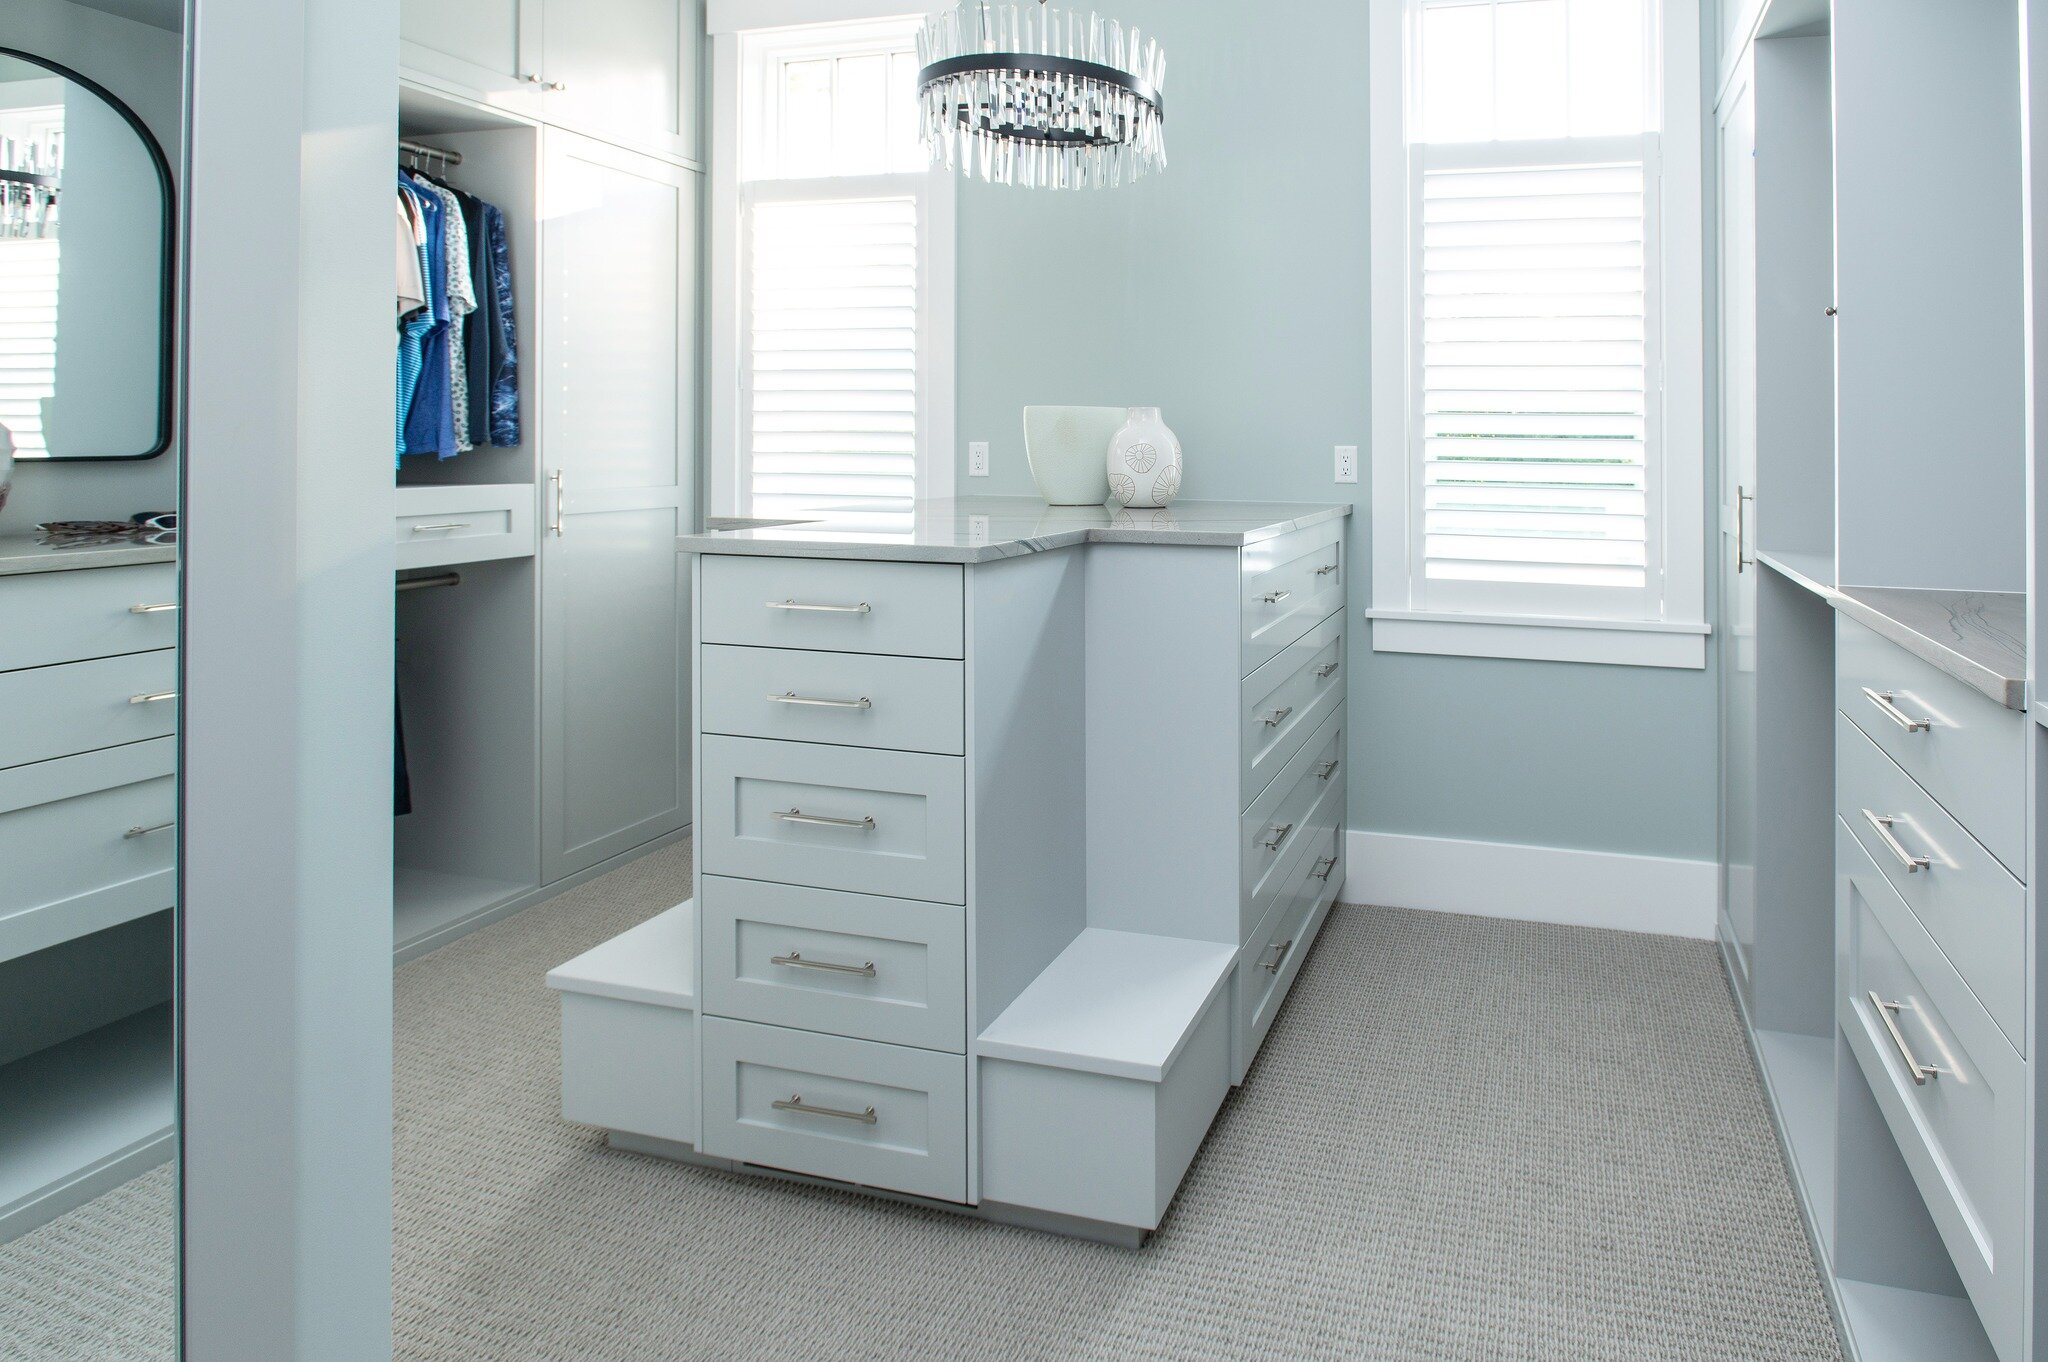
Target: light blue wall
1232	292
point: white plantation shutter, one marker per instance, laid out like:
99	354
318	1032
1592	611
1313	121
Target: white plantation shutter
28	336
831	286
1534	389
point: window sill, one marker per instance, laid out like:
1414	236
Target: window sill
1614	643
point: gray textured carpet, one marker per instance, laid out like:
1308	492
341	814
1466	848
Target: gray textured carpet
1466	1139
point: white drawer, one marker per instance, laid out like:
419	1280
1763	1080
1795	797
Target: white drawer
914	704
88	843
1288	585
834	604
81	706
1969	903
892	970
440	526
1962	1126
1270	961
1965	749
1287	700
1306	799
878	1115
52	617
855	818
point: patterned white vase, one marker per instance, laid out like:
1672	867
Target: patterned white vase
1144	461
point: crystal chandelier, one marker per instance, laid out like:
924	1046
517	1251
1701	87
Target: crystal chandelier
1039	96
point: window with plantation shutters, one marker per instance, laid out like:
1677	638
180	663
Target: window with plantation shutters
840	257
1534	466
831	384
28	337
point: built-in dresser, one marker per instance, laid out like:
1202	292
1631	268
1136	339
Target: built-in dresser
1013	838
88	814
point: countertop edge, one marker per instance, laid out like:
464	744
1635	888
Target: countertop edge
2009	691
82	559
972	554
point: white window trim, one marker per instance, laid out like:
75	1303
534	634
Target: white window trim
726	491
1677	640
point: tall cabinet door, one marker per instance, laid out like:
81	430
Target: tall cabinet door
618	435
1738	569
488	48
626	69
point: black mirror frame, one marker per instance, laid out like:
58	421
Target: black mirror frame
167	319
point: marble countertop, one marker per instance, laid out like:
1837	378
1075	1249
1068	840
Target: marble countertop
984	529
21	554
1978	637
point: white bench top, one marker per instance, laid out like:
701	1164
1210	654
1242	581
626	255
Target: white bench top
1115	1003
655	962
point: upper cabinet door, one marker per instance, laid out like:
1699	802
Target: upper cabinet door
489	50
625	70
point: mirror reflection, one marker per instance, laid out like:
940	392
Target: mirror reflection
84	266
89	679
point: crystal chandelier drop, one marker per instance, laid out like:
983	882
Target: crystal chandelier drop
1039	96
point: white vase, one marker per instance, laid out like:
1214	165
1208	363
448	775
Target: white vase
1065	446
1144	461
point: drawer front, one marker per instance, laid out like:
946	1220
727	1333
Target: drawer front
88	842
1962	1127
1289	585
1270	961
1280	820
439	526
878	1115
81	706
1287	700
891	970
1969	903
52	617
834	605
852	818
1967	750
913	704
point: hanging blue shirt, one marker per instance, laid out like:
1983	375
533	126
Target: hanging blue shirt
430	421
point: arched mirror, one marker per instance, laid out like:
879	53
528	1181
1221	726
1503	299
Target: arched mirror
85	271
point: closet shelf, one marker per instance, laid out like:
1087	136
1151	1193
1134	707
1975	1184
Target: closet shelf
432	906
80	1118
1978	637
1813	571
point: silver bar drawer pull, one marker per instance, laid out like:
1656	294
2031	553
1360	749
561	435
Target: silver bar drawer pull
144	832
1888	702
1326	569
862	609
796	1103
1279	835
1888	1014
815	820
153	698
1324	867
152	609
1273	719
790	697
1883	823
793	960
1327	769
1326	671
1279	949
1275	597
445	525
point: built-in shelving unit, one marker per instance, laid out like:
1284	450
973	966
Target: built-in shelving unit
1872	415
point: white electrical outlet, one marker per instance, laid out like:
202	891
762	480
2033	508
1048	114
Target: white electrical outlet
977	459
1347	463
977	529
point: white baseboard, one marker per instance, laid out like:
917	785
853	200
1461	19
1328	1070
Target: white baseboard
1658	894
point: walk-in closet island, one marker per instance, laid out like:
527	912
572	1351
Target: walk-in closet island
1015	830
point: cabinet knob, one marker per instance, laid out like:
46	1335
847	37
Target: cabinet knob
1831	309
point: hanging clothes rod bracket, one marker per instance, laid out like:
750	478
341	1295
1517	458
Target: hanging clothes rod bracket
423	583
419	151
